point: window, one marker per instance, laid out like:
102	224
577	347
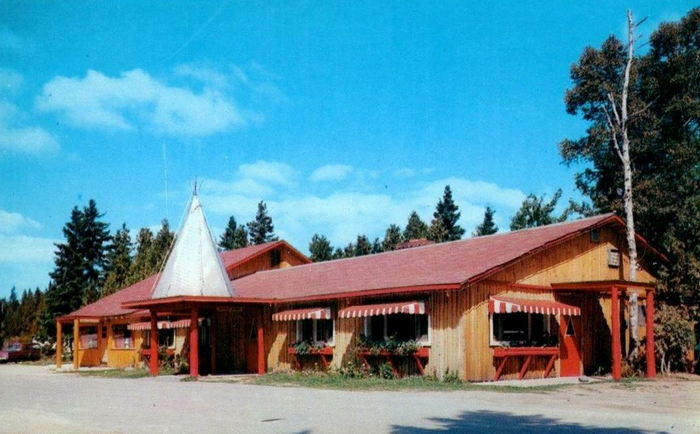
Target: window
275	258
122	337
88	338
166	338
400	327
523	329
316	331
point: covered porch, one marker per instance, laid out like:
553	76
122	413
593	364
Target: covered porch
224	334
618	292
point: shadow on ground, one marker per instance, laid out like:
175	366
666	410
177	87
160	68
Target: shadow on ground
503	422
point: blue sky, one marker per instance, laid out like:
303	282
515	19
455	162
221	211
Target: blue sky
342	116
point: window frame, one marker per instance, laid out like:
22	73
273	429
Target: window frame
426	342
315	341
131	344
547	327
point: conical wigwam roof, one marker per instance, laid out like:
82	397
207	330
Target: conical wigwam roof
194	266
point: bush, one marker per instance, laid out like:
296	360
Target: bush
674	337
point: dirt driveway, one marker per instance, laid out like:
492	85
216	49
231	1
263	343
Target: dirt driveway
34	399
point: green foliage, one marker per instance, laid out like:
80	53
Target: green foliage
151	252
392	237
22	318
437	231
674	337
415	228
338	253
77	277
261	229
534	212
234	237
391	345
487	226
118	262
363	246
665	146
320	248
447	214
377	246
307	347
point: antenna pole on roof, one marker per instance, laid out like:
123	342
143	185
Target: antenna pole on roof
194	193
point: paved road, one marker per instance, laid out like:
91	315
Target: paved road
33	399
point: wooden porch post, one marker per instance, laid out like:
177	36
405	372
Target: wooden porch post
153	358
212	343
59	344
616	348
194	343
651	350
76	343
261	343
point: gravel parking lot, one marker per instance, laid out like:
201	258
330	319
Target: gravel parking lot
34	399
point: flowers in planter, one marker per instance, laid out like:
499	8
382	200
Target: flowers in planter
391	345
307	347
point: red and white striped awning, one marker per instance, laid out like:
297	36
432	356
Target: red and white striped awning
513	305
409	307
179	324
297	314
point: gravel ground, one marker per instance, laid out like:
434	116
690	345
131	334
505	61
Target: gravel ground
34	399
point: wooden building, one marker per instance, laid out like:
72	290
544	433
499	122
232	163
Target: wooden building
547	301
118	337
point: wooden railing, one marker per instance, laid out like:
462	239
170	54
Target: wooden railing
529	353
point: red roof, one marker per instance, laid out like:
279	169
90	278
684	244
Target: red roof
112	304
445	265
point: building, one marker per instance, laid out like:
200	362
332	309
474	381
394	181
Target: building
548	301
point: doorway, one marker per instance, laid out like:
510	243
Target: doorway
570	346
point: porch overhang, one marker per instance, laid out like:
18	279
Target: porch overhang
602	285
187	302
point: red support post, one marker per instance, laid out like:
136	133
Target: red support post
616	348
261	344
153	358
651	351
194	343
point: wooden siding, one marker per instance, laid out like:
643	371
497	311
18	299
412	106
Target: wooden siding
264	262
578	259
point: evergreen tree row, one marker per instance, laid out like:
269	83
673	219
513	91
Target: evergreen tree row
257	231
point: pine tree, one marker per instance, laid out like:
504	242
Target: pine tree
363	246
377	246
118	262
487	227
77	277
415	228
338	253
392	237
141	265
437	231
535	212
320	248
261	229
161	245
447	212
234	237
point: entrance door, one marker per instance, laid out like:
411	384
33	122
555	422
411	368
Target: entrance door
570	346
251	346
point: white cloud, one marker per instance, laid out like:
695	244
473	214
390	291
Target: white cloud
331	172
269	171
298	213
12	222
21	249
135	99
18	138
10	81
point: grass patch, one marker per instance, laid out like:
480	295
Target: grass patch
416	383
116	373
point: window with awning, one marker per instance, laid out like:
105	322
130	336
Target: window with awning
400	321
544	307
365	310
146	325
300	314
526	323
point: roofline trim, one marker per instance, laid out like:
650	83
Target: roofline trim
272	246
612	219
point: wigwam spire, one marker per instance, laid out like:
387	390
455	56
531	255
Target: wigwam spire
193	267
